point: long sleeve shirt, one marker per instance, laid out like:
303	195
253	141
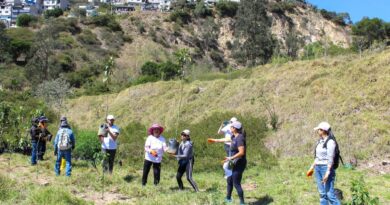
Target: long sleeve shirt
185	150
325	156
70	134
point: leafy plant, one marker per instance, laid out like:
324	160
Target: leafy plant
360	194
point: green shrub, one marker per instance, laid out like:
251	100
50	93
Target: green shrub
227	8
21	40
165	71
108	21
88	38
201	10
360	194
87	144
180	17
57	12
24	20
151	69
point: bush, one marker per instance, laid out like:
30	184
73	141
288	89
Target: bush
105	21
24	20
150	69
180	17
21	40
57	12
201	10
164	71
227	8
87	144
88	38
360	194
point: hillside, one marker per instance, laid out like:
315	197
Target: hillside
210	39
349	92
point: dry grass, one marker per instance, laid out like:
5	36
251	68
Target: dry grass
350	93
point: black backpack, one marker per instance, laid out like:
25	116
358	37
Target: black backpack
337	156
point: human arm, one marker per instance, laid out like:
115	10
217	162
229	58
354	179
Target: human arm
114	133
330	152
186	151
72	138
241	153
220	130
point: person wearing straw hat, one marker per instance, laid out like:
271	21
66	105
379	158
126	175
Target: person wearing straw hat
155	146
185	157
224	129
237	159
108	135
323	165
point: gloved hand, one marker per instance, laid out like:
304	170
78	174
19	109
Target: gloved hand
310	172
55	152
153	153
210	140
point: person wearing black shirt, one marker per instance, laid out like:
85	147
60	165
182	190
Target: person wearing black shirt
237	159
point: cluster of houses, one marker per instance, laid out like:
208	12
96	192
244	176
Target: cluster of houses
11	9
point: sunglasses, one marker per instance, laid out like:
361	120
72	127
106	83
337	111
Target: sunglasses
184	135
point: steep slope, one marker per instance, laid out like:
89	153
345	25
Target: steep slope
350	93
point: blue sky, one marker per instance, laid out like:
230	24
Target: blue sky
357	9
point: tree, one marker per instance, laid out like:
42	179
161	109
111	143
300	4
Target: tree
21	40
227	8
371	29
54	93
56	12
255	42
201	10
39	67
24	20
293	43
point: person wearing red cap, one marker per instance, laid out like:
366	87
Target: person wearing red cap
155	146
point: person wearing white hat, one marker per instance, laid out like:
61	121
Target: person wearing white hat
237	159
185	157
224	129
323	165
108	135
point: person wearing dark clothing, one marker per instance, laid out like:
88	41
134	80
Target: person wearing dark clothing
39	136
237	158
185	156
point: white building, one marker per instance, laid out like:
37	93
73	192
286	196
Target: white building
6	12
52	4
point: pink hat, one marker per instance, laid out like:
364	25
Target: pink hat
155	126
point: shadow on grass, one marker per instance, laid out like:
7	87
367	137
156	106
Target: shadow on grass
265	200
129	178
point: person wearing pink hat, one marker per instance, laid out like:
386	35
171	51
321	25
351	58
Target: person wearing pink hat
155	146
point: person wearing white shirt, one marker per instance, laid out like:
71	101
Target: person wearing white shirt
155	146
225	130
108	135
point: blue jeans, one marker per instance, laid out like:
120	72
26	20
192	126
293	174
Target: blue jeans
34	153
68	158
326	190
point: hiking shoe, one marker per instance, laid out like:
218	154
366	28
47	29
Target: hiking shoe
228	201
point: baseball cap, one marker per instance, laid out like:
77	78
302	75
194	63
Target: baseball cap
234	119
237	125
186	132
323	126
110	117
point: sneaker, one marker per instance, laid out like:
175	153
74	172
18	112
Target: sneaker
228	201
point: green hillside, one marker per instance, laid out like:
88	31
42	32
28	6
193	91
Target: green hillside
349	92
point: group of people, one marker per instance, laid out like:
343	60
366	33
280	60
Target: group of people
155	146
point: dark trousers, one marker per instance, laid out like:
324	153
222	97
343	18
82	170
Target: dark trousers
235	180
227	149
41	149
156	172
186	166
108	162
